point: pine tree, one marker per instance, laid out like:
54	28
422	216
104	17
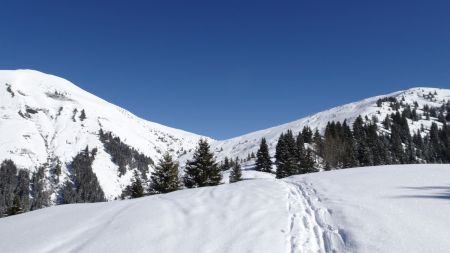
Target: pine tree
202	170
331	149
308	164
16	207
136	189
23	189
286	155
226	164
236	173
8	182
303	159
82	115
398	153
40	197
165	177
263	162
348	147
307	134
363	152
318	142
68	195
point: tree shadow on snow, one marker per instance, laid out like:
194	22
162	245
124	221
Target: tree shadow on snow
430	192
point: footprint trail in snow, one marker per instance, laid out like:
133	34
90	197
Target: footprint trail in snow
310	227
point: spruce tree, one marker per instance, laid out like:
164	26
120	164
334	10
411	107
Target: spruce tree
68	195
236	173
165	177
136	189
82	115
202	170
8	182
318	142
363	152
226	164
16	207
286	155
300	154
307	134
40	197
308	164
348	148
23	189
263	162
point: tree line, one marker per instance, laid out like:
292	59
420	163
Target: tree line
200	171
364	143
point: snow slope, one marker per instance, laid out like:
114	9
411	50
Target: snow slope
400	208
248	143
40	125
49	129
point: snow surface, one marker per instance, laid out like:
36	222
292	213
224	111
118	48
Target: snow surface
56	134
401	208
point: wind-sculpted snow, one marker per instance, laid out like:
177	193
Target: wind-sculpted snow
394	209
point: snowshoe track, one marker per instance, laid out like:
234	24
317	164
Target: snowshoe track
310	228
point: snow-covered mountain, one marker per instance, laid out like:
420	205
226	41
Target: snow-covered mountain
40	123
248	143
47	120
397	208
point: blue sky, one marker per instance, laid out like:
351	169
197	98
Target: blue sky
225	68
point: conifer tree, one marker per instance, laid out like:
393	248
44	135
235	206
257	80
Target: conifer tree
16	207
308	164
165	177
68	195
236	173
23	189
307	134
136	189
398	153
318	142
286	155
300	155
348	147
226	164
263	162
202	170
8	182
363	153
82	115
40	197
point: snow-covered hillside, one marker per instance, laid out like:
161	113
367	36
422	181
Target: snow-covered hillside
248	143
401	208
41	124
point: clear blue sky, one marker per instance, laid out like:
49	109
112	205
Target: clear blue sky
225	68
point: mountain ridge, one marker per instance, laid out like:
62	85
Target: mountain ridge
42	125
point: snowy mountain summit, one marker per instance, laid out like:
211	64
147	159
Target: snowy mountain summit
46	121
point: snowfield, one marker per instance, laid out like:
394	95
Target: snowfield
401	208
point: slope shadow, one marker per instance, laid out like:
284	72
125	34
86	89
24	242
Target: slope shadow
431	192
